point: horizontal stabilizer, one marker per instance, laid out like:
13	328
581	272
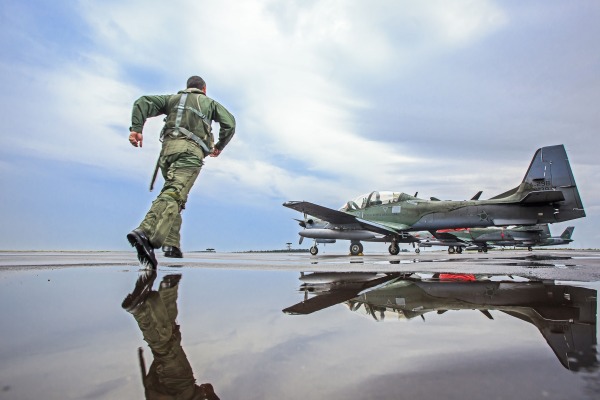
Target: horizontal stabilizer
543	197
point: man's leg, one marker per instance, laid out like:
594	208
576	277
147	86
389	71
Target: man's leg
188	169
172	245
154	322
168	291
180	172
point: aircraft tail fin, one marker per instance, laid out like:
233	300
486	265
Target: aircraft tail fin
567	233
477	195
544	230
549	179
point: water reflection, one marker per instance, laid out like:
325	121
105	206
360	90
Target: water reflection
564	315
170	375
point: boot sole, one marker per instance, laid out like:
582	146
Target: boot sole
144	256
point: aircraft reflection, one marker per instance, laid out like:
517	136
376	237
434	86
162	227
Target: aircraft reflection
170	375
565	315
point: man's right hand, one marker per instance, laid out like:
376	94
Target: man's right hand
136	138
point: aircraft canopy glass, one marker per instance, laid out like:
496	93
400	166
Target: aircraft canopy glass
373	199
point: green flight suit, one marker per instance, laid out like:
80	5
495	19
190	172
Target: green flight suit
170	375
181	157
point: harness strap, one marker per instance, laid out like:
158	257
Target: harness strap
195	138
180	109
179	129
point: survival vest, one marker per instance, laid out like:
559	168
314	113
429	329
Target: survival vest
186	118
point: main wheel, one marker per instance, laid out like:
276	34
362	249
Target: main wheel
451	250
314	250
394	249
459	249
417	250
356	249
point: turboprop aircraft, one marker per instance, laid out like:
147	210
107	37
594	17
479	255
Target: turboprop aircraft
564	315
547	194
482	239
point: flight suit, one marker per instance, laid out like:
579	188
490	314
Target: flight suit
189	112
170	375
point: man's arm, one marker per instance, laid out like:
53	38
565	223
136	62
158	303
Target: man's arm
143	108
227	126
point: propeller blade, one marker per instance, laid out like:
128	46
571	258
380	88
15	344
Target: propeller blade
301	222
301	239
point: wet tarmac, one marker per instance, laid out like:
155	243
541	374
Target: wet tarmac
511	324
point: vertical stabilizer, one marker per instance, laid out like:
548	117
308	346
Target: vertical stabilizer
566	235
550	171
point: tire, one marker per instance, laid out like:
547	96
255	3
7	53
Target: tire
356	249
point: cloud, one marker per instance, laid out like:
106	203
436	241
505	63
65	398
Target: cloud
281	62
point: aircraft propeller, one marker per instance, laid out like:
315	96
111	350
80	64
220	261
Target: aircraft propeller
303	223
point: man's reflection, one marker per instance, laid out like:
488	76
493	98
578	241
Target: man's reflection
170	375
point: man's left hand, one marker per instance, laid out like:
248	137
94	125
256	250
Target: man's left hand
215	152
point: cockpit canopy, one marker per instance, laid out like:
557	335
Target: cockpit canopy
375	198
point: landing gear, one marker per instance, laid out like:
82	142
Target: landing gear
356	248
394	249
314	250
451	249
417	250
459	249
530	248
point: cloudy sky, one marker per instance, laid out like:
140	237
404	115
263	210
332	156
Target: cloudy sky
332	98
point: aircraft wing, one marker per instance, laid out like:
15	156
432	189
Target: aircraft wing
321	302
339	217
337	295
446	237
324	213
443	239
385	229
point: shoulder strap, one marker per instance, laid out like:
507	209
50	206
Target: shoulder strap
180	108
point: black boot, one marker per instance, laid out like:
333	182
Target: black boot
143	286
137	238
172	252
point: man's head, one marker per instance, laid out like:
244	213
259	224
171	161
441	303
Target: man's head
197	83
